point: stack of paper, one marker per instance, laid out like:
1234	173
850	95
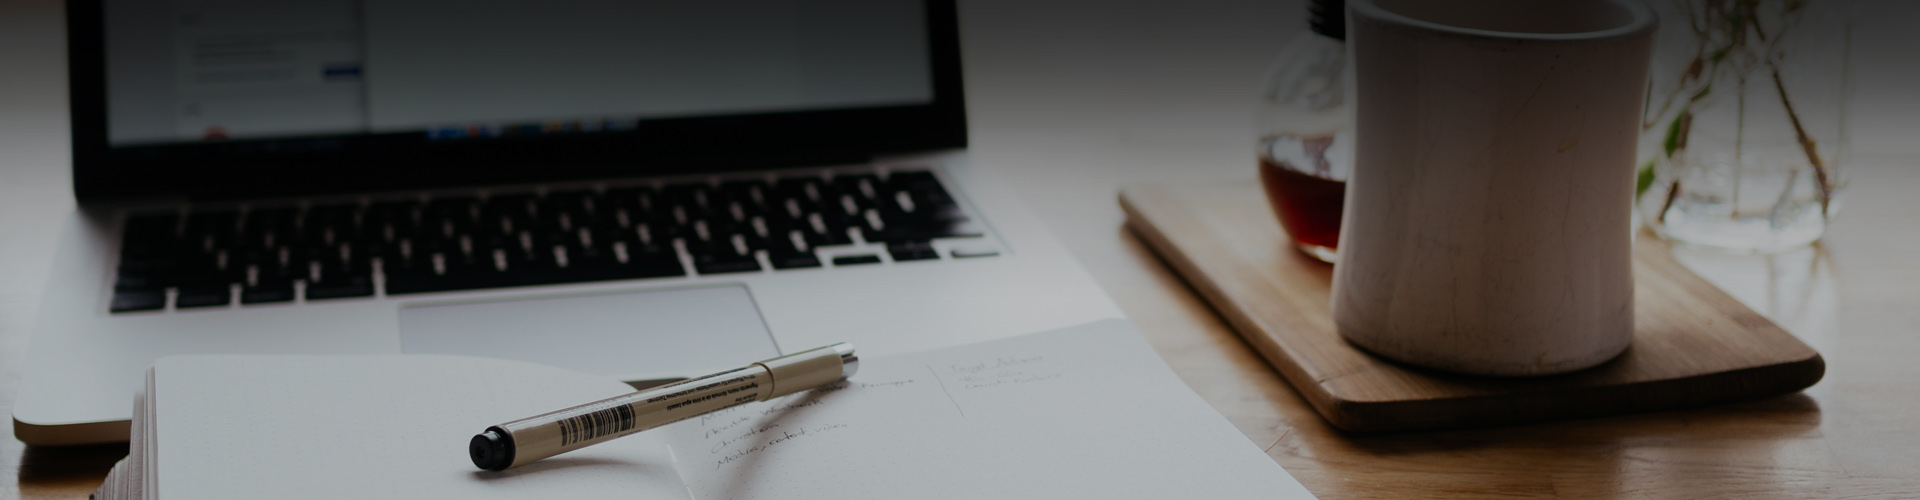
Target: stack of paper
1083	412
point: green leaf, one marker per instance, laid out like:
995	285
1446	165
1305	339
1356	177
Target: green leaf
1672	143
1644	181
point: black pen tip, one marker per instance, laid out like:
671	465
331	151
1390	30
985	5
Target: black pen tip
490	450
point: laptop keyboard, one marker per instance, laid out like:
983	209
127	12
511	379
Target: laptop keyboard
325	251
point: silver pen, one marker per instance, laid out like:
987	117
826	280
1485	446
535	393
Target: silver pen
526	440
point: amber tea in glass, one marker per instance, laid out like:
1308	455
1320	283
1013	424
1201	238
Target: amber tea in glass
1306	200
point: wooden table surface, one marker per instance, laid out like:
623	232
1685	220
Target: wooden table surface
1070	100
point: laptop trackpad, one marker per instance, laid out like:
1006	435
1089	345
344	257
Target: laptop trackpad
640	335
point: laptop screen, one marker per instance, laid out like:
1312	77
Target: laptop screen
247	98
215	70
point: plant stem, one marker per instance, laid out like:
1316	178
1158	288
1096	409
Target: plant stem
1684	125
1672	193
1806	144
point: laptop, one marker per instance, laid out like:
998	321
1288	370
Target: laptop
647	190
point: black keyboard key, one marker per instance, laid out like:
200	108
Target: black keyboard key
720	234
784	255
406	260
127	281
922	230
203	296
212	229
847	205
265	292
758	233
907	205
253	256
538	257
825	229
271	272
339	257
643	205
329	225
369	249
337	276
343	287
864	188
718	264
724	256
912	250
448	218
793	260
401	284
707	232
139	300
517	208
148	236
790	250
389	221
267	230
850	260
579	203
551	223
922	185
698	200
753	196
810	193
149	276
209	271
134	247
647	266
148	264
584	256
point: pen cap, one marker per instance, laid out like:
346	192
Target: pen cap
809	369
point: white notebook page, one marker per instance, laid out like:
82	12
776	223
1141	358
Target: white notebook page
338	427
1083	412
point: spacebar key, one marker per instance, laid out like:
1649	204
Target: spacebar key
428	283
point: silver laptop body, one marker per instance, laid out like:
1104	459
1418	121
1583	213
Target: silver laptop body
650	241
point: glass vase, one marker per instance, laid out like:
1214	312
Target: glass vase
1745	133
1305	122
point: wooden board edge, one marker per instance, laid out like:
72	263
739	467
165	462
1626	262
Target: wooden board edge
1216	299
1376	417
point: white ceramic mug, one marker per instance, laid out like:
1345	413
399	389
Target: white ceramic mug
1487	224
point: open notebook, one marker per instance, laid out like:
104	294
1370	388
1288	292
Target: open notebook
1082	412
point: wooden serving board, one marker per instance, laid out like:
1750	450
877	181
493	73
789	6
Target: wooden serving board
1693	344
